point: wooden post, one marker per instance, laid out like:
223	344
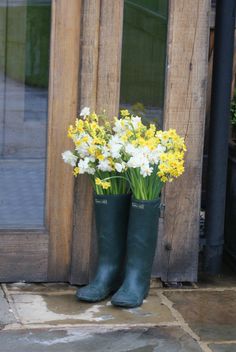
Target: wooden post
63	102
186	81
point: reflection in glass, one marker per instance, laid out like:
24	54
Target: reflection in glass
24	70
143	57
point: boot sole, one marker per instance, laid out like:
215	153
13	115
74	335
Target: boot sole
94	300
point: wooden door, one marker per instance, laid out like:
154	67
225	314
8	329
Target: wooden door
39	63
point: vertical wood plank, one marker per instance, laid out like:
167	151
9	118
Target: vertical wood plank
109	64
101	43
185	110
83	210
63	100
89	53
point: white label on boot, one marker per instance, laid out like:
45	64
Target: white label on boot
101	201
136	205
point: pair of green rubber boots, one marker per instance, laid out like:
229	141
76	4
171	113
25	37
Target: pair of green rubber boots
127	235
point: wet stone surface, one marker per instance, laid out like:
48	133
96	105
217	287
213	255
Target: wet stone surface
86	340
52	319
65	308
223	347
6	314
211	314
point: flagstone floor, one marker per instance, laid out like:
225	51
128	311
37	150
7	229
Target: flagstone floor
47	317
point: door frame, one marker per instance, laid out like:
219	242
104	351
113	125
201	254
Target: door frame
45	255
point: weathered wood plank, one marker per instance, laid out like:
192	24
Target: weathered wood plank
23	256
83	207
63	102
109	62
187	62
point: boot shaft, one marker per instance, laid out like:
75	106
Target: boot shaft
111	214
142	234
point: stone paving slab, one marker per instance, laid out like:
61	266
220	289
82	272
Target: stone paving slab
64	308
159	339
6	314
210	314
223	347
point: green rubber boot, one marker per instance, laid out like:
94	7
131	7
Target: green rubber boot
111	214
141	245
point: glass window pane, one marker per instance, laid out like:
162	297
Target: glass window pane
24	71
143	57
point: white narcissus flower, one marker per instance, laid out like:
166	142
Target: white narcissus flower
115	145
119	167
85	112
161	148
116	140
115	150
91	171
154	155
105	151
130	149
135	121
146	170
69	158
84	166
136	161
104	165
120	127
82	150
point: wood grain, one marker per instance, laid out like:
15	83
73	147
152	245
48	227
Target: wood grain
63	102
186	80
109	61
83	203
23	256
